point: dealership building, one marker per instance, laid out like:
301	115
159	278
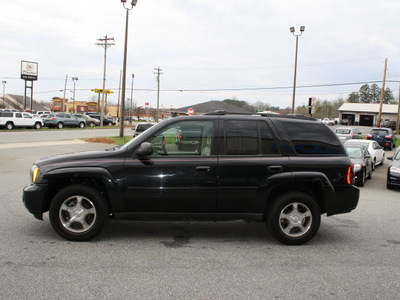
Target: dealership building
366	114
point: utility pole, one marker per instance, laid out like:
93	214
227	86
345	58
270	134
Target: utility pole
65	90
74	79
4	89
382	96
158	90
131	110
104	43
119	93
398	113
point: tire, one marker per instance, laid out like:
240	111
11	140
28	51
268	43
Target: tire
362	181
60	125
294	218
370	175
10	125
38	125
374	164
85	205
81	125
388	185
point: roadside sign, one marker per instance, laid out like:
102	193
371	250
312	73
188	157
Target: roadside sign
29	70
190	111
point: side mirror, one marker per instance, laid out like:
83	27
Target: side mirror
145	149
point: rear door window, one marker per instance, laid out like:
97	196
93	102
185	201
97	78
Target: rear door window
249	138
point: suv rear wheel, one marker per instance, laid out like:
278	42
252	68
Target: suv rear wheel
78	213
294	218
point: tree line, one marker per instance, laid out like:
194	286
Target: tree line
371	94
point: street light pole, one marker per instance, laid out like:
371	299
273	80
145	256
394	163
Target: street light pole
292	30
122	118
131	110
74	79
4	88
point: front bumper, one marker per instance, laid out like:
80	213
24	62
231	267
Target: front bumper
393	179
34	198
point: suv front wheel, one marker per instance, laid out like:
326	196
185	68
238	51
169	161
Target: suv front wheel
294	218
78	213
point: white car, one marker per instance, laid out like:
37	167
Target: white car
327	121
376	151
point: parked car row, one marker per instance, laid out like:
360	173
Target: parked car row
11	119
365	155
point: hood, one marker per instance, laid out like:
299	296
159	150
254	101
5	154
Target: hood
80	159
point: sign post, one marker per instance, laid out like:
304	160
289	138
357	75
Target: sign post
29	72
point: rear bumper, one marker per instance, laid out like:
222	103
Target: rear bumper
344	200
34	198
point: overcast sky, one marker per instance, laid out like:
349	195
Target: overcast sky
207	49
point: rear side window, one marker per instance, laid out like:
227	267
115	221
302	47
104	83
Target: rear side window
249	138
309	138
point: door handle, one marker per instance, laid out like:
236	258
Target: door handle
275	169
202	169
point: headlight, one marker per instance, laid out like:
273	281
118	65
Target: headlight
357	167
34	173
395	170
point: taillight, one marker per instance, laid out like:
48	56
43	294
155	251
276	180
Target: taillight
180	135
388	137
52	119
350	174
351	133
369	136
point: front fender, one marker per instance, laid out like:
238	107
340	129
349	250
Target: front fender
112	189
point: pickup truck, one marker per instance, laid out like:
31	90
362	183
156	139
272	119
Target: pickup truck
11	120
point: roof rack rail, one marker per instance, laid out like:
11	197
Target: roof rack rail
224	112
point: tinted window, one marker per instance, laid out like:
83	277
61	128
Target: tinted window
312	138
184	138
6	114
379	132
241	137
268	143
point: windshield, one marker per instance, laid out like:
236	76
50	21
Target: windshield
143	127
354	152
379	132
343	131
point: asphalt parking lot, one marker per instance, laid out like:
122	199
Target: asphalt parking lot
353	256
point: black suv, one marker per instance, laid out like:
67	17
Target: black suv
282	170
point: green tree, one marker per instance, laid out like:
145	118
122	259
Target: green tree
365	94
354	97
375	93
388	97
